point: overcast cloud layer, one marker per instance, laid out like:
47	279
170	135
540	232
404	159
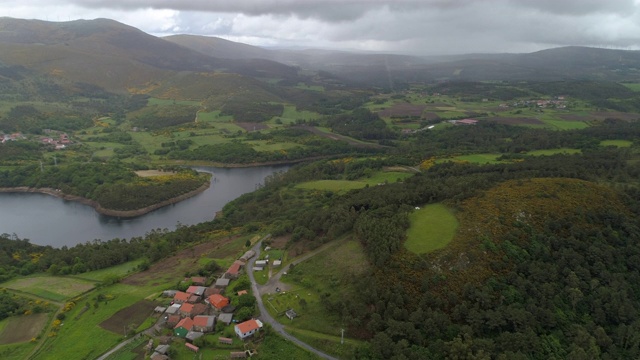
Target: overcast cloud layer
423	27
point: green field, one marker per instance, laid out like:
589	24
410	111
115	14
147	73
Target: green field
377	178
54	288
632	86
554	151
81	337
566	125
114	271
616	143
479	158
432	227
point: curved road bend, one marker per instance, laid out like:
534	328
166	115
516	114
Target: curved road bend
264	315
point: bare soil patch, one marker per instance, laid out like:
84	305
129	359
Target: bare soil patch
280	242
574	117
430	116
23	328
252	126
134	314
403	109
171	268
516	121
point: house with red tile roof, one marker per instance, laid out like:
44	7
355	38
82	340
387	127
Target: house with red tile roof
183	327
204	323
234	270
185	310
247	328
198	280
181	297
217	301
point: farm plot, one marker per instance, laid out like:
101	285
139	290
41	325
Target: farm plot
516	120
132	315
54	288
22	328
403	110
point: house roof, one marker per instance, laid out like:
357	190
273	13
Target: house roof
242	292
181	296
197	290
203	320
222	282
186	323
234	268
173	319
249	325
192	335
187	308
198	280
218	301
225	318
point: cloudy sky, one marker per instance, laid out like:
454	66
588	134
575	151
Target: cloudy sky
424	27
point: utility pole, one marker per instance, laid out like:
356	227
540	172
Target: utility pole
342	337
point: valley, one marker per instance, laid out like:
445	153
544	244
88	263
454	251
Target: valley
400	207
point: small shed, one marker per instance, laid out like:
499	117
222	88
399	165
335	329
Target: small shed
193	335
238	355
261	262
258	268
199	280
192	347
169	293
225	340
277	262
291	314
160	309
162	349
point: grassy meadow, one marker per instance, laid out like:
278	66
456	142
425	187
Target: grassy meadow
55	288
432	227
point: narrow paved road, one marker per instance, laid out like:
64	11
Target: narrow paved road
264	315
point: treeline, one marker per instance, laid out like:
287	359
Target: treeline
20	257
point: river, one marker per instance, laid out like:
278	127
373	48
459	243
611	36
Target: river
47	220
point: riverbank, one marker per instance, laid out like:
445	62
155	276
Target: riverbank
102	210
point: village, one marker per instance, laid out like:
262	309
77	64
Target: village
202	309
58	140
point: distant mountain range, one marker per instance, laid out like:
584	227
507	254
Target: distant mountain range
118	57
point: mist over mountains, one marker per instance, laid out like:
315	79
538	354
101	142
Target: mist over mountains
118	57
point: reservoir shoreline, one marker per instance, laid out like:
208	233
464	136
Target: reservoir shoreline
104	211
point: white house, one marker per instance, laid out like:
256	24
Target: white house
248	328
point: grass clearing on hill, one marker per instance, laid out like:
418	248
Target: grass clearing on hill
275	347
329	272
547	152
616	143
432	227
479	158
56	288
380	177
